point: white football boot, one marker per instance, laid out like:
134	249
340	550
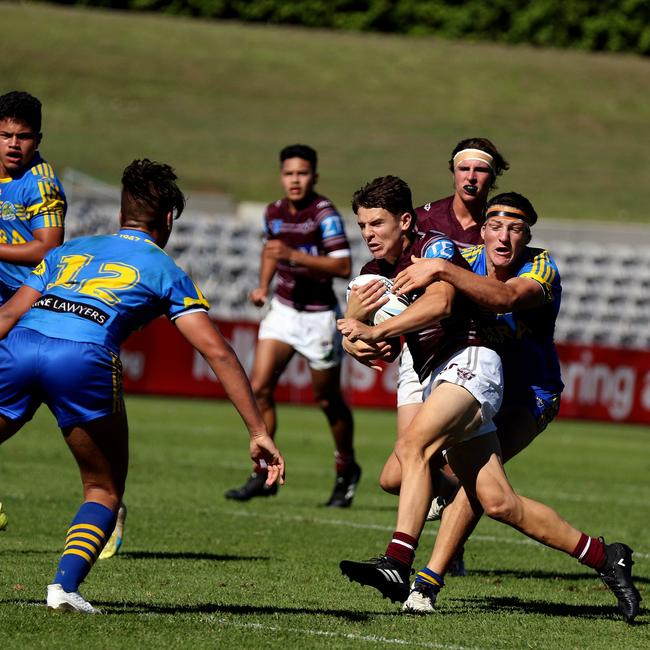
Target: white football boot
421	600
68	601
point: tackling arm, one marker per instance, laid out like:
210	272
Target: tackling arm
512	295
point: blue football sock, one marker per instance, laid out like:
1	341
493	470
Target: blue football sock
431	578
86	537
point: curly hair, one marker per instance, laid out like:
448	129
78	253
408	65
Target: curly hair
22	107
483	144
150	192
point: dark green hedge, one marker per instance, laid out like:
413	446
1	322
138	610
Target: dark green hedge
611	25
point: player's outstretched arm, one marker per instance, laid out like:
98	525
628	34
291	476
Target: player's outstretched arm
201	332
15	307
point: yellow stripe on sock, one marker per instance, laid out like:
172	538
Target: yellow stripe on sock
91	547
427	578
83	554
99	531
93	538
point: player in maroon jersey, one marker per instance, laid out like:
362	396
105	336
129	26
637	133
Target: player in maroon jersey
305	247
475	164
463	378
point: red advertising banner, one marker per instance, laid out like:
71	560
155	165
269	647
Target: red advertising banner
601	383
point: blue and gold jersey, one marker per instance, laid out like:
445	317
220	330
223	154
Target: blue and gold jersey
100	289
524	339
33	200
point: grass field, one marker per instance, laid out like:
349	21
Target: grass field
218	100
200	572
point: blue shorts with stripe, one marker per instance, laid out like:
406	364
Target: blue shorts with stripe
79	382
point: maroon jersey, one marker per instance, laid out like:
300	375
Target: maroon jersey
440	216
316	229
435	344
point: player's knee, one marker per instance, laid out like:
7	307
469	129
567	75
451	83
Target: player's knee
501	506
263	395
333	405
390	481
409	451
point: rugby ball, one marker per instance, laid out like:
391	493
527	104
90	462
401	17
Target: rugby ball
395	305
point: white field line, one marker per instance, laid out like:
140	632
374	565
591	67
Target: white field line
354	524
368	638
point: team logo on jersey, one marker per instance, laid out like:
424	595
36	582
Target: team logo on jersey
442	248
275	226
465	373
7	211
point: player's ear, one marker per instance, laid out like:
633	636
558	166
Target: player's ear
406	221
315	178
39	139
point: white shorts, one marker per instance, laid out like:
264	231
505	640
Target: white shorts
409	388
312	334
479	371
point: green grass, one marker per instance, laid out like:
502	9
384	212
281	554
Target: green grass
198	571
218	100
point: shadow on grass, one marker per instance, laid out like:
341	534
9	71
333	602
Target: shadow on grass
154	555
512	605
187	555
132	607
543	575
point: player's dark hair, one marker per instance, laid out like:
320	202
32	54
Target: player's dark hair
388	192
514	200
483	144
22	107
150	193
303	151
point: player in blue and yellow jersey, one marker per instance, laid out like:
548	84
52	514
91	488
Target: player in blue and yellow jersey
519	288
70	317
32	201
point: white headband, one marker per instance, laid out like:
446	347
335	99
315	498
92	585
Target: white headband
474	154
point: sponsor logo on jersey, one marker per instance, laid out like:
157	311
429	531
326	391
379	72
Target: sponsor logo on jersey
275	226
64	306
